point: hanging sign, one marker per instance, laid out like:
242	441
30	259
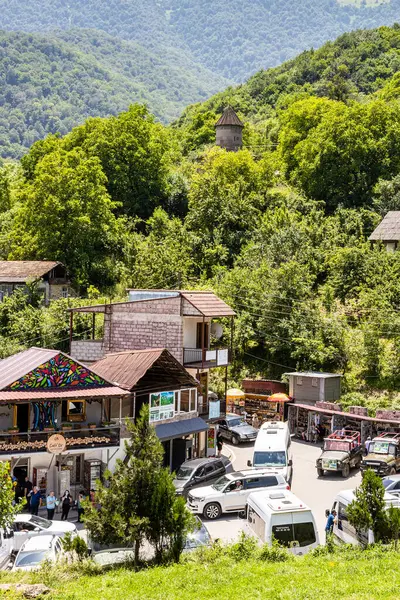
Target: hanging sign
56	444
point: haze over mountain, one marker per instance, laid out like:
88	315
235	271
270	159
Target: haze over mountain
96	57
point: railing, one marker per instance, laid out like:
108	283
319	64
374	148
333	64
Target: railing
99	437
210	357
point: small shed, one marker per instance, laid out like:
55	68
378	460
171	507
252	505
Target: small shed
310	387
388	231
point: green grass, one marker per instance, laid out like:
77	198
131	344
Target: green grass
366	576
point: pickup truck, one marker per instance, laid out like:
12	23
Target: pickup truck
342	451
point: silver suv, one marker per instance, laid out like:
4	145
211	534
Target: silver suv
230	492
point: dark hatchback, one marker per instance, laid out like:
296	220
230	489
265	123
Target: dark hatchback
200	471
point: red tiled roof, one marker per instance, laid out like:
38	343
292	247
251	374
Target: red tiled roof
24	269
326	411
208	304
57	393
229	117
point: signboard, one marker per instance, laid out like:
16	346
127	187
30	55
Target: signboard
214	408
162	406
222	357
56	444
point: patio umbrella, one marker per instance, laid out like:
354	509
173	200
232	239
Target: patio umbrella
279	397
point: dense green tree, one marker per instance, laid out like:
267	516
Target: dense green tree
367	510
7	497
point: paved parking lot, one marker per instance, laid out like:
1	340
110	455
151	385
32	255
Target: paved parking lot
318	493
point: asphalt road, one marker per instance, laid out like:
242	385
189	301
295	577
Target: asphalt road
318	493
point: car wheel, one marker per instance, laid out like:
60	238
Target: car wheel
346	470
320	472
235	440
392	471
212	511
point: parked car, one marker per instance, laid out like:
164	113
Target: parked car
230	492
391	483
235	429
273	449
6	547
383	454
342	451
197	538
27	526
198	471
36	550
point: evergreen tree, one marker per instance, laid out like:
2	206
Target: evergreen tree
138	501
367	511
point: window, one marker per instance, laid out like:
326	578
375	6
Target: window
199	335
344	525
256	523
259	482
209	469
296	534
185	401
299	380
73	410
314	382
64	292
193	399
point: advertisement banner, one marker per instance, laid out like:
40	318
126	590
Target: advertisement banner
162	406
214	407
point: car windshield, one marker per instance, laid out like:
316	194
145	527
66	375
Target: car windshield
270	459
184	473
235	423
221	483
381	448
40	522
30	559
387	483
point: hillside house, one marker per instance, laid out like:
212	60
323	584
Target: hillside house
156	378
310	387
55	423
388	231
184	322
51	276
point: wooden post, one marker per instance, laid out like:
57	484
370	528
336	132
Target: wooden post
93	325
71	325
203	351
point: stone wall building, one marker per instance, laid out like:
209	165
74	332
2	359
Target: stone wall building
229	130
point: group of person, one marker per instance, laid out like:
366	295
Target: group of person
34	500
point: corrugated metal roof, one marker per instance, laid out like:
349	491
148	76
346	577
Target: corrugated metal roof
208	304
16	366
388	229
24	269
326	411
59	393
314	374
229	117
127	368
177	429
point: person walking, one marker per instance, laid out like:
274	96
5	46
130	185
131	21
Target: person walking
36	501
28	492
220	443
66	502
255	420
81	510
51	503
367	444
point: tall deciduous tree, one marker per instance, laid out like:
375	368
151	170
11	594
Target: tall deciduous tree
367	510
7	495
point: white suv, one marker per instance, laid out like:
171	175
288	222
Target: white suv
229	493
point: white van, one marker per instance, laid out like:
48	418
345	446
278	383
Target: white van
283	516
272	449
342	530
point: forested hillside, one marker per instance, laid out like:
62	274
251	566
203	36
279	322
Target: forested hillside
231	38
51	83
279	229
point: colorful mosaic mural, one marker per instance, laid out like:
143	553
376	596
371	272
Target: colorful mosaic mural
60	371
43	415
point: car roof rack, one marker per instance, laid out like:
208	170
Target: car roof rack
389	435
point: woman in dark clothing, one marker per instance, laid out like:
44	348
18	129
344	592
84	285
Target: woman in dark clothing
66	502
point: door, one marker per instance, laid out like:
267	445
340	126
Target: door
234	496
22	417
178	453
223	429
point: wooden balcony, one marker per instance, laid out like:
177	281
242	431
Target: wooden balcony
205	358
76	438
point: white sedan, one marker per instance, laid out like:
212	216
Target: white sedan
27	526
36	550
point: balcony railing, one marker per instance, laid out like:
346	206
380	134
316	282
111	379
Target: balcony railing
36	441
207	358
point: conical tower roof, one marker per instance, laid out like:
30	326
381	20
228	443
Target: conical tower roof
229	117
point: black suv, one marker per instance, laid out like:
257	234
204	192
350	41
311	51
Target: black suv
200	471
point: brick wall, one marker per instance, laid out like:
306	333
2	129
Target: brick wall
148	324
87	351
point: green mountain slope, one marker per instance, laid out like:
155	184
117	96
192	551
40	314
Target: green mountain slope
232	38
50	84
356	64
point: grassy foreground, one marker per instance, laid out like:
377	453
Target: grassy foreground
352	575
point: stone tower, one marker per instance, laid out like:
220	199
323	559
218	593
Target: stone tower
229	129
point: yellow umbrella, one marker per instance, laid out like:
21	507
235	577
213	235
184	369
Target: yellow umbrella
235	393
279	397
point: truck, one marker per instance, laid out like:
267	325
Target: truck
383	454
342	451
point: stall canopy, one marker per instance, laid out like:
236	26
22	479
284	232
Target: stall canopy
279	398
